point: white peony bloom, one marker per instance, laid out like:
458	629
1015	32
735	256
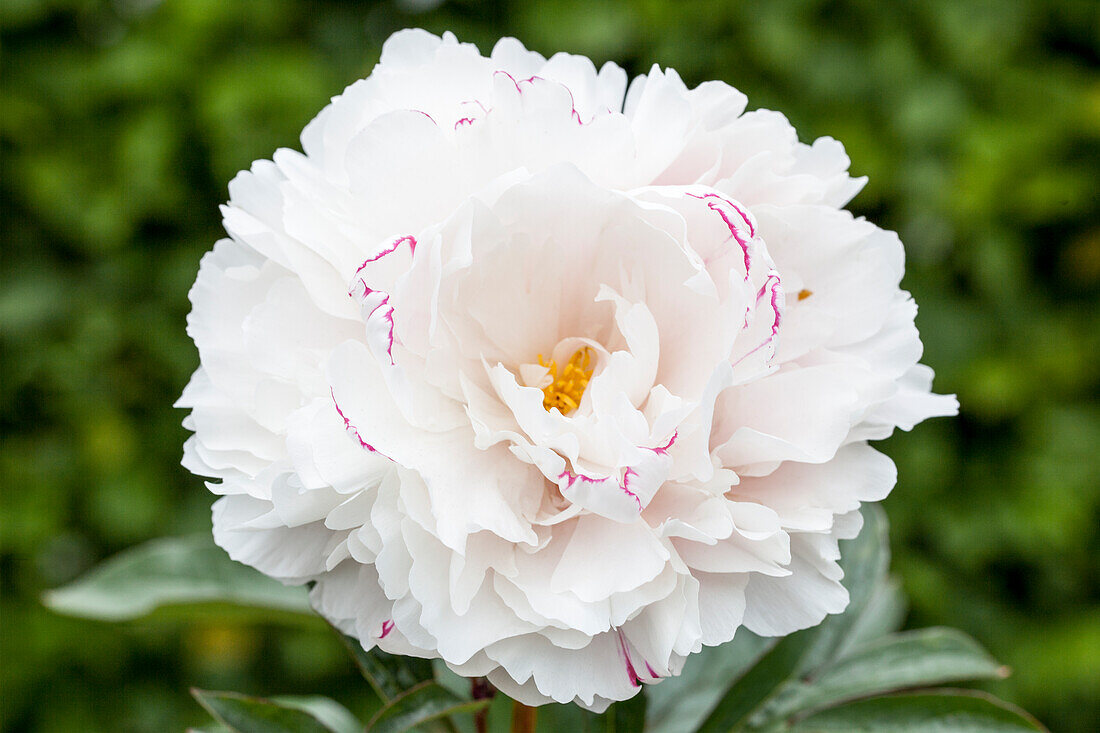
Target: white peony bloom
549	378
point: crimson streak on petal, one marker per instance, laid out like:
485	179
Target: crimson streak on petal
531	80
631	673
662	450
735	231
411	240
624	486
362	291
351	428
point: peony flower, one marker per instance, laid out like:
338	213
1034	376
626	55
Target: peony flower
550	378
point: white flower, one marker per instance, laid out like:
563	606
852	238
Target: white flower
552	380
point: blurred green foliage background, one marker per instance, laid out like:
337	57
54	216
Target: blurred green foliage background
121	122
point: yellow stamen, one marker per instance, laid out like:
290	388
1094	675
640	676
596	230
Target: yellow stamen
566	390
803	294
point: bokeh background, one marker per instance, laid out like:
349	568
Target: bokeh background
121	122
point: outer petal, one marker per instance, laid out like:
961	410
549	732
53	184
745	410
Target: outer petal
779	606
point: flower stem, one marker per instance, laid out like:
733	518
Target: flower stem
523	718
480	689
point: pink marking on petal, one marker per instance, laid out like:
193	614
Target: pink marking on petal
662	450
388	316
624	486
573	104
573	478
471	120
349	427
363	293
773	278
420	111
631	674
478	103
532	79
529	80
387	627
772	283
734	230
505	73
736	207
390	250
361	290
652	674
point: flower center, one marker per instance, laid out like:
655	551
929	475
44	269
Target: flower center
566	389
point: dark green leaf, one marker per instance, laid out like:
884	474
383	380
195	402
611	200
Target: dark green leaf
627	716
555	717
865	561
679	704
759	684
331	713
885	613
171	571
424	702
456	683
622	717
939	711
549	718
245	714
388	674
895	662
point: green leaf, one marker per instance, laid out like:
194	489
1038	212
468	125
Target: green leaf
885	613
679	704
456	683
389	674
332	714
759	684
187	571
938	711
550	717
851	656
895	662
568	717
245	714
865	561
424	702
627	716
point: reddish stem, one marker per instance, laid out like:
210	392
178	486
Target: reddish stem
480	689
523	718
